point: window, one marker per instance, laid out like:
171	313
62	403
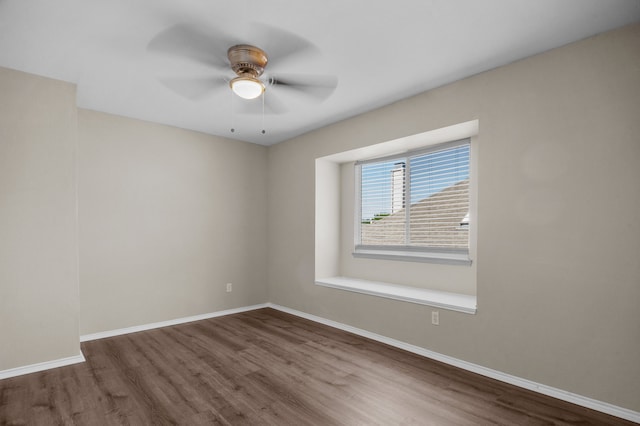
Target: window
415	206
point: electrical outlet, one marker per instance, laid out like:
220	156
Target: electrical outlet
435	317
229	287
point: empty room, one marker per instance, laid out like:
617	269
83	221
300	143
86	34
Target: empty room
319	213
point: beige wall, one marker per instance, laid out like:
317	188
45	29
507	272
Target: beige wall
167	218
558	276
38	221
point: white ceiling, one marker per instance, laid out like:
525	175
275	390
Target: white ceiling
380	51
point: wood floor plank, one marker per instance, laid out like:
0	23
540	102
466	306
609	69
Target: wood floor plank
267	367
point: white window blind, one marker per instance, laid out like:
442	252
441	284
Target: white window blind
415	203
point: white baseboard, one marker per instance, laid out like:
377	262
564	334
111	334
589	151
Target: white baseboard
583	401
34	368
41	366
144	327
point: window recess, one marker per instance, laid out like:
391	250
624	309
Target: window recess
415	206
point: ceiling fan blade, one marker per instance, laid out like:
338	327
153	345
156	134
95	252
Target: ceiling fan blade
281	45
272	106
319	87
190	42
194	88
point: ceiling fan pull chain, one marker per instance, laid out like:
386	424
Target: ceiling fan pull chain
263	131
232	115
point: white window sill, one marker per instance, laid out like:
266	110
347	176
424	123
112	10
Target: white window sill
439	299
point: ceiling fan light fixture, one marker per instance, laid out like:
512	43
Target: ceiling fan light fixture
247	87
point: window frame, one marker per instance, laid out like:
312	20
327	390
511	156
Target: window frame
453	256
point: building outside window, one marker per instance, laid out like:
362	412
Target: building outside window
415	204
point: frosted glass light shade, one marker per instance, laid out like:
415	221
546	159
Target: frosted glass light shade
247	87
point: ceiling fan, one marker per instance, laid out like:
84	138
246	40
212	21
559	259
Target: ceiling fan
223	56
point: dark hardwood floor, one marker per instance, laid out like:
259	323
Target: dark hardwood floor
266	367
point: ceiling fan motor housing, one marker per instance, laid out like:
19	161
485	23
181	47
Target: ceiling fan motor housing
247	60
